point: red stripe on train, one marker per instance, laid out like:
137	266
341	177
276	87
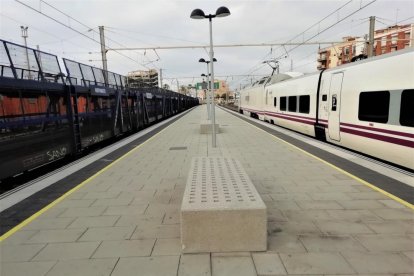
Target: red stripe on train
393	140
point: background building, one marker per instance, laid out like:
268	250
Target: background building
393	38
342	53
221	90
386	40
142	78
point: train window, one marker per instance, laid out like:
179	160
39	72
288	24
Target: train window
283	103
374	106
407	111
292	103
274	101
324	98
304	104
334	102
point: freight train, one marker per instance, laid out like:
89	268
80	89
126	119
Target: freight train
366	106
46	115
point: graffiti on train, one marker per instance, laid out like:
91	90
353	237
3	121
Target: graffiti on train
56	153
93	139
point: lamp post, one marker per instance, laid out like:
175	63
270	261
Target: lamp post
25	35
199	14
209	86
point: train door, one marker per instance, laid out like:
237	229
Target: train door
335	106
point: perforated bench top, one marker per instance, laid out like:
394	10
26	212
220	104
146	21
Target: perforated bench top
219	183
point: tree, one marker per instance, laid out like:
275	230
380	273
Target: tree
166	86
183	89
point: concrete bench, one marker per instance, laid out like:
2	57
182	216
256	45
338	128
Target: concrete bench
221	209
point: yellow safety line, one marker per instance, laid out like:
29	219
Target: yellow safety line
409	205
74	189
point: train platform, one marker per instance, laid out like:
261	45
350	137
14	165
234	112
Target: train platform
326	216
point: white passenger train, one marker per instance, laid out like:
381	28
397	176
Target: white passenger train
366	106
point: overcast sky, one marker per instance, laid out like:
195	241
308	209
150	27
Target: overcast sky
152	23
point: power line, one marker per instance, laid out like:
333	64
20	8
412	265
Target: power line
320	32
56	9
161	36
69	27
45	32
411	17
261	65
224	45
317	23
219	76
335	24
89	29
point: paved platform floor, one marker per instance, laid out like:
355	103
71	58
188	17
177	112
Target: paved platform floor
125	221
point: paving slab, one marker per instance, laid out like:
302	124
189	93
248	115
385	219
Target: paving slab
69	203
319	205
60	235
101	221
385	243
316	263
331	243
49	223
149	230
165	247
126	210
124	248
26	268
268	264
338	227
92	211
19	238
377	263
194	265
233	266
19	253
285	244
90	267
120	201
107	233
148	266
395	214
66	251
135	220
361	204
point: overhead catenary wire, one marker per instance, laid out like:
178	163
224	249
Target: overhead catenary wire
89	28
73	29
315	24
329	27
43	31
324	30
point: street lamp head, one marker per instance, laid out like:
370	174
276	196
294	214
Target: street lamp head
214	59
201	60
222	12
203	75
197	14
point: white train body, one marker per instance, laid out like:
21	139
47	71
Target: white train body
367	106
